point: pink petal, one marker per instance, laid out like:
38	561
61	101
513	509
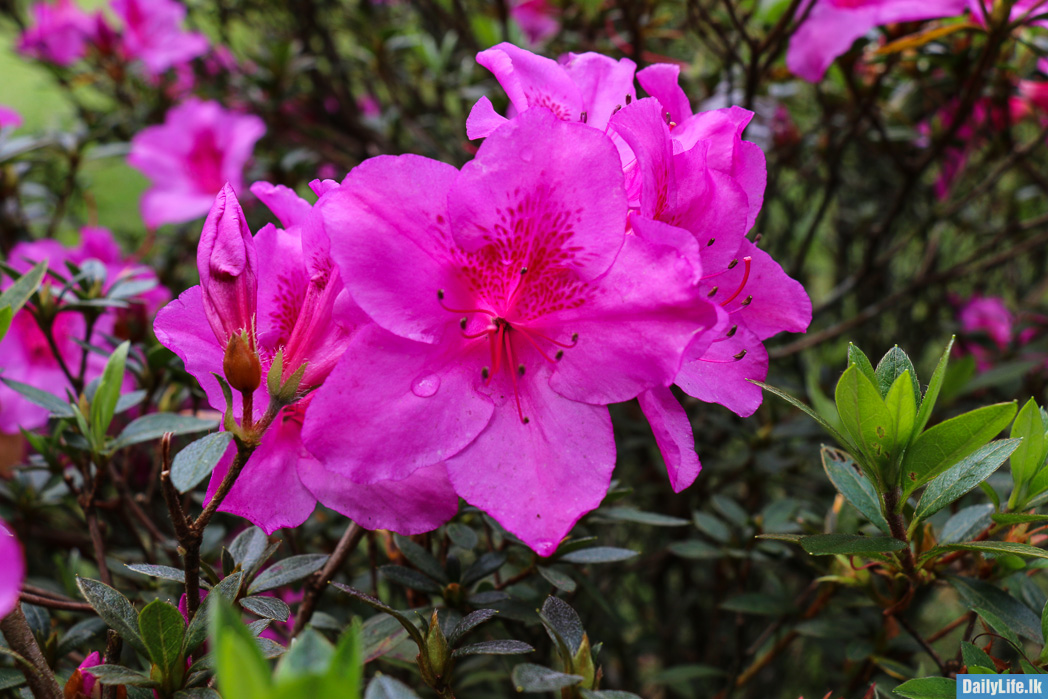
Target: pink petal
410	405
268	492
538	479
642	127
673	434
483	119
389	235
419	503
720	378
779	302
604	84
12	569
531	80
290	208
524	188
661	82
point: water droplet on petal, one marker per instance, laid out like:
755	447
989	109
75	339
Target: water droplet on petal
527	154
425	386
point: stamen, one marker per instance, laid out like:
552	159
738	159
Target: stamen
521	369
713	292
740	355
482	333
485	373
559	355
513	376
747	301
734	329
523	270
668	118
583	117
496	349
547	338
757	239
712	241
731	265
745	277
463	322
440	300
629	98
527	336
616	110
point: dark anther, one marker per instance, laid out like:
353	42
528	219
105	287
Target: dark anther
731	265
757	239
713	292
574	337
559	355
617	108
583	117
440	294
629	98
463	323
523	270
520	369
668	117
734	329
526	420
712	241
485	373
748	301
740	355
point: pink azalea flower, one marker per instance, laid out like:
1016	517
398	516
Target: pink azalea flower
584	86
58	33
9	118
302	309
701	177
199	147
536	18
833	25
153	34
510	308
82	683
969	137
12	569
27	355
989	315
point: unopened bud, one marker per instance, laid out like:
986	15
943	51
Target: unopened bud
240	364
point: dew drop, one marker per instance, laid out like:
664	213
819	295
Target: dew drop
426	386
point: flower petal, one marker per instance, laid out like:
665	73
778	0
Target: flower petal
290	208
779	302
12	569
604	84
661	82
673	434
718	377
483	119
531	80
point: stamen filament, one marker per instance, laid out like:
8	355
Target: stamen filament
513	377
742	285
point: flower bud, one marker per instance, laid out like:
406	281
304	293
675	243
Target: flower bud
226	262
83	685
241	365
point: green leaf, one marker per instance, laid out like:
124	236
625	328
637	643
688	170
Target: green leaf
998	548
857	357
607	694
854	486
1029	457
559	580
961	478
158	571
501	647
385	687
694	549
404	621
103	405
156	425
198	626
52	403
267	607
80	633
247	548
410	578
599	554
948	442
483	567
535	678
470	622
16	295
928	688
163	628
977	594
758	604
972	654
198	693
865	416
834	432
1017	518
114	675
999	625
240	667
345	674
310	654
6	315
893	365
421	558
196	462
287	571
116	611
849	544
462	536
902	405
932	394
631	514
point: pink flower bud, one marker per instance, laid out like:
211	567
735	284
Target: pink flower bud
226	261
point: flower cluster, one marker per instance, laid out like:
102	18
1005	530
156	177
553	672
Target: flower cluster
431	333
147	31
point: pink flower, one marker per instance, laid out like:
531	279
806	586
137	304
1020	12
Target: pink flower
82	683
12	569
586	86
985	115
833	25
536	18
227	267
509	309
153	34
699	175
989	315
303	311
58	34
1021	10
199	148
27	355
9	118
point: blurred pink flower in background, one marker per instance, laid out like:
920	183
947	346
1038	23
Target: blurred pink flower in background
27	356
986	317
58	33
153	34
12	569
200	147
833	25
9	117
536	18
82	683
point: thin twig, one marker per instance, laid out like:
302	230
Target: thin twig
315	587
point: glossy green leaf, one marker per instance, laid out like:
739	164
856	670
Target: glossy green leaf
957	480
58	407
931	395
865	416
156	425
857	357
1029	457
948	442
345	674
16	295
240	667
999	625
385	687
972	654
894	364
289	570
163	628
856	488
6	316
599	554
421	558
928	688
902	405
849	544
535	678
116	611
197	460
977	594
103	404
1017	518
998	548
118	674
